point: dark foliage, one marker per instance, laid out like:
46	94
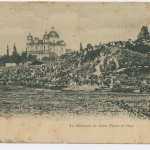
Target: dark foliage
139	48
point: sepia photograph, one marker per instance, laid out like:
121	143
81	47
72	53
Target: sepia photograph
75	72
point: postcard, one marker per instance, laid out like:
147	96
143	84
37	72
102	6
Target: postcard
74	72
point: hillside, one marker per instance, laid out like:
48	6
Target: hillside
118	58
109	61
141	48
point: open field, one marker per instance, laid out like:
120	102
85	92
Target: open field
22	100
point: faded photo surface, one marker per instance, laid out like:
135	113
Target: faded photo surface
76	72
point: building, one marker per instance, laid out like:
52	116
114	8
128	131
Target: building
10	64
49	46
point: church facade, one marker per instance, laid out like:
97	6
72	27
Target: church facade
49	46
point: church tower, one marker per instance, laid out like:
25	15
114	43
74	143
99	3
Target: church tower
45	38
29	38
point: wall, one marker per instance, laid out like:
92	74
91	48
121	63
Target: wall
10	64
60	50
53	38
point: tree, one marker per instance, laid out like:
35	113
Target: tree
108	44
121	43
96	47
81	48
89	46
15	53
100	45
113	66
24	57
144	34
78	53
3	60
31	58
15	58
128	44
46	59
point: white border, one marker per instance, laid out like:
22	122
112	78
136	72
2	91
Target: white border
75	0
75	146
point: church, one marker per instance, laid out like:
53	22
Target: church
49	46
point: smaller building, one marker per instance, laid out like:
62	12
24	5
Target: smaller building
10	64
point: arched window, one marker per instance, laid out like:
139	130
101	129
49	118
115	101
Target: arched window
48	47
44	47
28	47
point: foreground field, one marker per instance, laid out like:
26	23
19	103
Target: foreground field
37	102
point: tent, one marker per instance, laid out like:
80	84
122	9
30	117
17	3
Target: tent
37	62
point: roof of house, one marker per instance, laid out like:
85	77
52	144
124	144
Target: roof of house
51	43
37	62
31	43
61	43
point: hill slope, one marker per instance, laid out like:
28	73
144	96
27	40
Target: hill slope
110	60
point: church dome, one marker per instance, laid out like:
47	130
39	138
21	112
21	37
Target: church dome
29	36
53	33
45	36
36	38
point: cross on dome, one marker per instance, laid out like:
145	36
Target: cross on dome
52	28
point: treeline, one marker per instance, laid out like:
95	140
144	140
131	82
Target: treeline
141	48
16	58
142	43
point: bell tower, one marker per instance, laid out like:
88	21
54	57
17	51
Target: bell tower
29	38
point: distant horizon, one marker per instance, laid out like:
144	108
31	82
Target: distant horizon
75	22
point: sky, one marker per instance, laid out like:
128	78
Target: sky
74	22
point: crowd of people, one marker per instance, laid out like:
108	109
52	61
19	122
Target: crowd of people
68	70
52	73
